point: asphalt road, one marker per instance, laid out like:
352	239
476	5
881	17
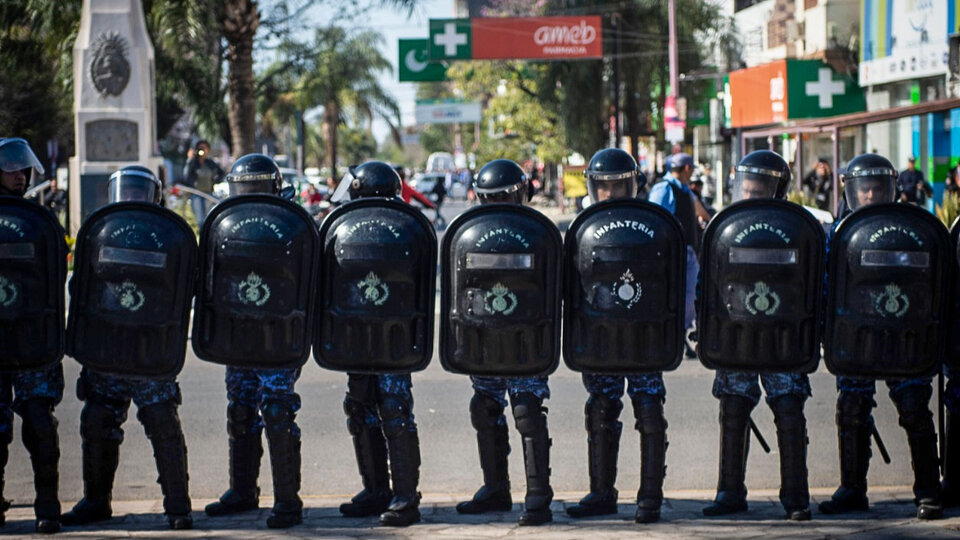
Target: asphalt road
448	443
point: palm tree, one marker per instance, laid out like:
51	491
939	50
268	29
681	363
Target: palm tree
343	76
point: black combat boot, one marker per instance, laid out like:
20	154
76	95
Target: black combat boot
40	438
162	426
603	445
531	419
951	462
283	437
246	449
371	450
101	434
913	405
734	446
652	425
853	431
792	440
404	445
493	443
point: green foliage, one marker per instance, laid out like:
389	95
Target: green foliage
356	145
798	197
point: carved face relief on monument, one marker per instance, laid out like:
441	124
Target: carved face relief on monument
109	68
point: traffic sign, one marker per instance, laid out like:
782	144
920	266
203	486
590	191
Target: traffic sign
414	63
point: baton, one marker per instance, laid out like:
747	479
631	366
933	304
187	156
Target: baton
760	439
942	439
880	446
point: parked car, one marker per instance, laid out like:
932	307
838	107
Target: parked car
425	183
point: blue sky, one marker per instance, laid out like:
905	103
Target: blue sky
393	25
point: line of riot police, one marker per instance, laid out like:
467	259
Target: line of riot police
359	292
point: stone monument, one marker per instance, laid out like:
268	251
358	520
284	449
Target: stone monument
113	101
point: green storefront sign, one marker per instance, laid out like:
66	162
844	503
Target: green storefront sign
815	90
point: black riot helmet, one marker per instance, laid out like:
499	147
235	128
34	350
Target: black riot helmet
374	179
134	183
15	156
869	179
761	174
254	173
502	181
613	173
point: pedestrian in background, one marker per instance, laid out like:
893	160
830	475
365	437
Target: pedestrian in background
201	173
913	187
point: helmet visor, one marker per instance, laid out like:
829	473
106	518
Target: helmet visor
128	187
865	189
755	183
244	183
342	192
16	155
602	187
515	194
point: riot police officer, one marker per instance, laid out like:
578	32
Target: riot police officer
611	174
32	394
761	175
503	181
871	179
107	398
379	408
261	399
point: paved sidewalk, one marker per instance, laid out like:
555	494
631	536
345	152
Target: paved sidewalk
892	516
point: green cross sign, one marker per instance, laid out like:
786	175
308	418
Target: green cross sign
815	90
414	64
450	39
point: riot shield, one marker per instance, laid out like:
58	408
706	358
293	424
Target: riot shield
500	293
134	275
624	286
952	357
890	283
377	288
259	257
761	288
33	268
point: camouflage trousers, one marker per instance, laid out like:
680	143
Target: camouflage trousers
868	387
115	393
744	384
16	388
611	386
370	393
497	388
255	388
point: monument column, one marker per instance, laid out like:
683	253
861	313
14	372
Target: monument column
113	101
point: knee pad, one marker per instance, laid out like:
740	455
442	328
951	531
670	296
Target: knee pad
528	412
648	411
277	416
853	409
241	414
358	414
602	413
160	420
396	416
100	422
913	406
485	412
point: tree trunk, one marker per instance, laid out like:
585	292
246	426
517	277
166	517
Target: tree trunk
331	119
239	20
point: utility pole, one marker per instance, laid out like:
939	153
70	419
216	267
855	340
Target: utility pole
615	127
672	21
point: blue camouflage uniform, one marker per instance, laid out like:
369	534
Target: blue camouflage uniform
16	388
116	392
255	388
396	386
497	388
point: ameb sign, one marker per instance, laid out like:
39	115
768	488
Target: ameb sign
516	38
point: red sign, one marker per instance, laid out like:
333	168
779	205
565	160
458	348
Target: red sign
536	37
759	95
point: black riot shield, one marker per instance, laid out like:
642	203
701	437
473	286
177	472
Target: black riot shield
259	257
135	271
377	288
624	286
952	357
761	288
33	268
500	293
890	283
